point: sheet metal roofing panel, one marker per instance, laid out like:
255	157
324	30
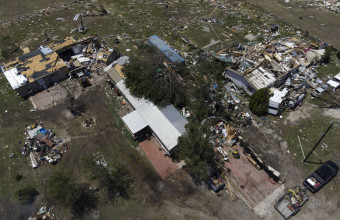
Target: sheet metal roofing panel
15	80
165	49
134	121
113	74
161	126
273	111
171	113
278	95
333	83
45	50
337	76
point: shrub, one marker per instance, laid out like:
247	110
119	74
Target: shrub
64	189
338	54
18	177
259	101
26	194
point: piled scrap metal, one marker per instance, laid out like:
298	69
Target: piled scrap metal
223	135
43	213
42	146
290	203
332	5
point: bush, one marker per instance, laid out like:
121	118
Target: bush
18	177
259	101
26	194
196	151
338	54
146	76
84	202
63	188
116	182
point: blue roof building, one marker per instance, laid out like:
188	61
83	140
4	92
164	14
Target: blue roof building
169	53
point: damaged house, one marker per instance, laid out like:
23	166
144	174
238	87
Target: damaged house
42	68
264	66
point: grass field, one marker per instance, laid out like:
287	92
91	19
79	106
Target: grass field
13	9
310	130
308	19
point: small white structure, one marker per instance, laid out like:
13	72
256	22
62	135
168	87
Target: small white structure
335	82
276	100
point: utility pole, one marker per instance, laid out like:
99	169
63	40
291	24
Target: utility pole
315	146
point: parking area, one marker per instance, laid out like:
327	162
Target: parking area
162	164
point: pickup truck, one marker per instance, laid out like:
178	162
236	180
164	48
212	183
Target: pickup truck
291	202
321	176
215	182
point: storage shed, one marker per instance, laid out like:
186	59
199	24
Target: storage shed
165	49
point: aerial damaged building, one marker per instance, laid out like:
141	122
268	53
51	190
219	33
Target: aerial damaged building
42	68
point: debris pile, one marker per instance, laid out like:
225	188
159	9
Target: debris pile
43	213
224	137
42	145
88	123
291	203
332	5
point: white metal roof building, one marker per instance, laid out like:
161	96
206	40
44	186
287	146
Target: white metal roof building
134	122
167	123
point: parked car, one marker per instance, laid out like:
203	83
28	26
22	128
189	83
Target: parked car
321	176
215	182
296	100
318	91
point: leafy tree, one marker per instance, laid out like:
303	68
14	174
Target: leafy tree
259	101
18	176
146	76
63	188
84	202
338	54
329	50
196	151
116	182
26	194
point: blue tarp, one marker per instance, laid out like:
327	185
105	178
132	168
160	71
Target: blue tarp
43	131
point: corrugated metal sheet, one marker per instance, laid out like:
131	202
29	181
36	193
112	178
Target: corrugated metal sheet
337	76
14	78
171	113
163	128
134	121
165	49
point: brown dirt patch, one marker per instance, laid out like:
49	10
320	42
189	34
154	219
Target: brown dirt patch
163	165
